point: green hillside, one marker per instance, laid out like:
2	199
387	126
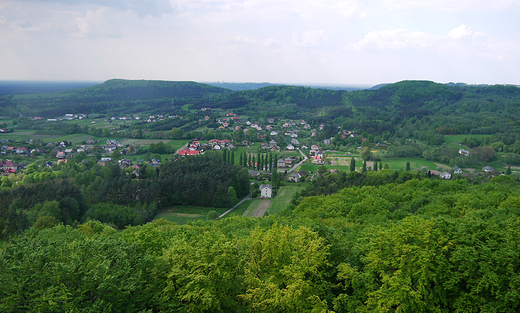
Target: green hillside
112	95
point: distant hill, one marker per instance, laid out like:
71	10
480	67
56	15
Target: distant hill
240	86
32	87
114	95
254	86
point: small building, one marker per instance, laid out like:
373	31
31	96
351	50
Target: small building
445	175
456	170
464	152
254	173
280	163
294	177
488	169
266	191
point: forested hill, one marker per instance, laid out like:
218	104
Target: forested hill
115	94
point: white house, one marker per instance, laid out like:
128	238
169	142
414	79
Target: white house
445	175
266	191
464	152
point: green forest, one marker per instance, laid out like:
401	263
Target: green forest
413	245
372	225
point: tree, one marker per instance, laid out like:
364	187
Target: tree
352	164
407	166
366	154
282	270
364	169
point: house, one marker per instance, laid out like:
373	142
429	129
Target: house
445	175
464	152
90	142
60	155
488	169
272	143
290	147
333	170
266	191
254	173
8	165
62	161
21	150
294	177
125	162
327	141
187	151
457	170
295	142
315	147
106	159
280	163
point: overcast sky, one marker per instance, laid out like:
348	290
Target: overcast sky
276	41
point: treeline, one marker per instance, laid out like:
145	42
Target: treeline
402	246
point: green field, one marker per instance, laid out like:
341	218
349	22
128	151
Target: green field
252	207
459	138
183	214
284	197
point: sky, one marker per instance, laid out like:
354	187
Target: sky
276	41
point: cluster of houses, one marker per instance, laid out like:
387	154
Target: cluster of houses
195	147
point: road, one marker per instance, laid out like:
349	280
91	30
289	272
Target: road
299	163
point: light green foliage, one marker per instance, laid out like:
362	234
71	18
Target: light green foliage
283	270
408	258
64	270
203	272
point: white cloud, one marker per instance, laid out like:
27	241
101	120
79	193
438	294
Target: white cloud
460	32
451	5
224	11
310	39
395	39
460	43
98	23
141	7
253	41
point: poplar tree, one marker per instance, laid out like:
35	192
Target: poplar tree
352	165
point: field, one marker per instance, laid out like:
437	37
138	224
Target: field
253	205
457	139
184	214
395	164
283	198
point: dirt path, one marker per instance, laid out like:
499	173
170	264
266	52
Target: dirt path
262	208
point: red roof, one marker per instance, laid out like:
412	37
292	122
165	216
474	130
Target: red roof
187	151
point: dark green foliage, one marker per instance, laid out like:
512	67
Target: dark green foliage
202	181
116	94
